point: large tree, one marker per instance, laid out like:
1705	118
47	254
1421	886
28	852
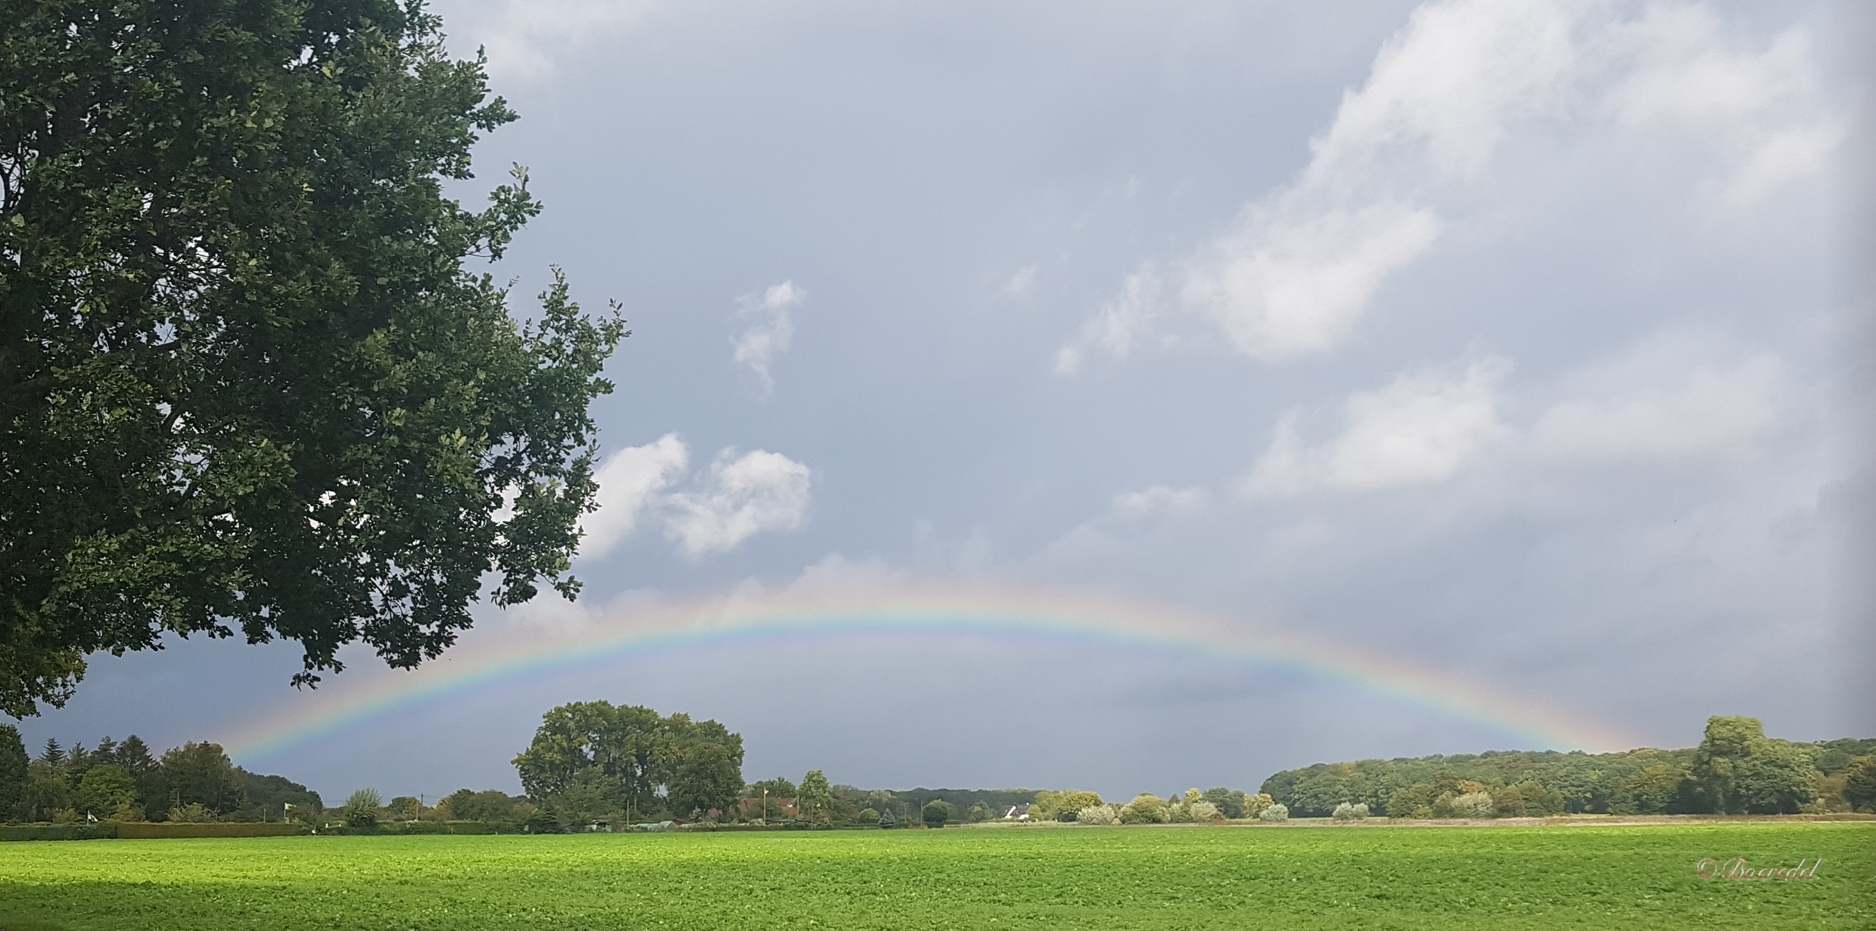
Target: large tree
644	760
1738	770
246	384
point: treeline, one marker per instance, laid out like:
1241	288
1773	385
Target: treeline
125	781
1736	769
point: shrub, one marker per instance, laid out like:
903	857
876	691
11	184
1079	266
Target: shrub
935	813
1254	805
1064	805
1473	805
361	809
1097	814
1204	811
1351	812
1144	809
1275	811
192	813
867	816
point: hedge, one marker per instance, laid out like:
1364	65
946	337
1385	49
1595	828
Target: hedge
150	830
58	831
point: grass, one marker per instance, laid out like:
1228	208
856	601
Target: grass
1107	878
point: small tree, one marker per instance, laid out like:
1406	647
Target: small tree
105	789
361	809
1203	811
869	816
1097	814
1275	811
815	799
978	812
887	820
936	812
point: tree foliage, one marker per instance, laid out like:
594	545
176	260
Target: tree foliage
936	813
105	789
815	799
13	770
246	384
647	761
361	808
1738	770
1742	770
1145	808
1860	783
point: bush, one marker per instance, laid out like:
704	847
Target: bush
102	829
361	809
1203	811
1066	804
1144	809
935	813
1357	811
192	813
1275	811
867	816
1254	805
1097	814
1473	805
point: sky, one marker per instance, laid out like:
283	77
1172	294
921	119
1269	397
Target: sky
1337	380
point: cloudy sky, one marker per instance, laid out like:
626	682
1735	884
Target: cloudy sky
1517	342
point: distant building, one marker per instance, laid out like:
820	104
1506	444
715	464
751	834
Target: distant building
778	807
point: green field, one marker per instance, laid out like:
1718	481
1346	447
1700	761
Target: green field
1241	877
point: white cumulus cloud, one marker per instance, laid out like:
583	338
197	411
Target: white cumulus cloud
1421	428
771	328
1292	281
631	481
1296	270
757	492
737	498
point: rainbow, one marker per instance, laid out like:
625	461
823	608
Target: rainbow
567	636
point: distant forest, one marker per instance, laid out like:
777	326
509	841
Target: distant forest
127	782
1736	769
592	763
